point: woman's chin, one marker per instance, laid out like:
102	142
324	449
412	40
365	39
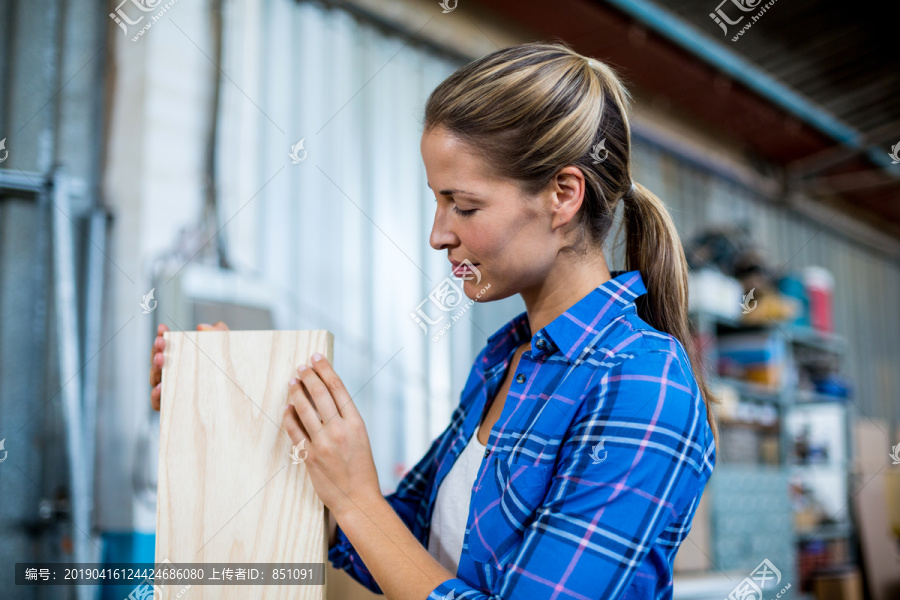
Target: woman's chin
477	292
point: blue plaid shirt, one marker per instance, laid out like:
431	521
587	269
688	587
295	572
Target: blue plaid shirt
593	471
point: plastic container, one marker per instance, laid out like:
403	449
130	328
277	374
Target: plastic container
819	284
792	287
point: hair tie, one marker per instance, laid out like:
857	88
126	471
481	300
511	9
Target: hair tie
630	192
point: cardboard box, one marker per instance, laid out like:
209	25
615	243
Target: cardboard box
844	583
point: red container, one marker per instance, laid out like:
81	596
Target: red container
819	284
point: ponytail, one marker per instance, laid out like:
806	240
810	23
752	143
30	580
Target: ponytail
652	246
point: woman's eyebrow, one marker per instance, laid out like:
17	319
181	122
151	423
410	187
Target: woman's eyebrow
452	192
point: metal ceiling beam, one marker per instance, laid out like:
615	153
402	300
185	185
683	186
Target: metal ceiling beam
844	182
829	157
670	26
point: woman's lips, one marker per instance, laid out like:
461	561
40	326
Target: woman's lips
461	269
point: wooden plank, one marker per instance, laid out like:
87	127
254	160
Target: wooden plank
228	489
693	555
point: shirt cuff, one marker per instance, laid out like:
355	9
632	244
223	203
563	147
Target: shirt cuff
455	585
339	554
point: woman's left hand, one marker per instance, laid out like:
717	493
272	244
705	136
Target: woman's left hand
338	453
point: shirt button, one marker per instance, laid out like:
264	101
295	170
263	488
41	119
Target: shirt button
520	378
541	344
487	452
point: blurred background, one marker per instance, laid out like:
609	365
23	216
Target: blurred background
257	162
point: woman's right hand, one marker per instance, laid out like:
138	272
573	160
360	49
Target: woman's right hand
156	359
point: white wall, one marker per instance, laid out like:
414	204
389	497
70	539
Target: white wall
160	89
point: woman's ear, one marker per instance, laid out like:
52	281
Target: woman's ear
567	194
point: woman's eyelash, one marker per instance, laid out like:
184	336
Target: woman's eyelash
464	213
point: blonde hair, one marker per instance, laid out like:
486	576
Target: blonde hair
534	108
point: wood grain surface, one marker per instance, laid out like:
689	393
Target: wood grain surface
228	488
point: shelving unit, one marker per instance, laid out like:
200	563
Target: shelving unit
773	415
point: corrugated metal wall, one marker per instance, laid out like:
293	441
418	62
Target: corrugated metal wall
51	66
867	282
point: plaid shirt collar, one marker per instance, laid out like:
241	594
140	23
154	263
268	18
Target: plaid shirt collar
575	330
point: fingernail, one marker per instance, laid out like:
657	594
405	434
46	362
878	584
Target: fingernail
286	406
158	384
302	368
316	356
293	381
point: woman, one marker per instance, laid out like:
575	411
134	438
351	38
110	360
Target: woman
574	463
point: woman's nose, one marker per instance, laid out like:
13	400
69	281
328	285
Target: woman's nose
441	236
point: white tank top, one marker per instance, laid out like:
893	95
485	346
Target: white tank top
451	506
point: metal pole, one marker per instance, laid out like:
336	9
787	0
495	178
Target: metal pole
66	301
92	329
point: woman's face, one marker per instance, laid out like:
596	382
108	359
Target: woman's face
510	238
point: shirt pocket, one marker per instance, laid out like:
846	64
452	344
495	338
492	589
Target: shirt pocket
504	506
